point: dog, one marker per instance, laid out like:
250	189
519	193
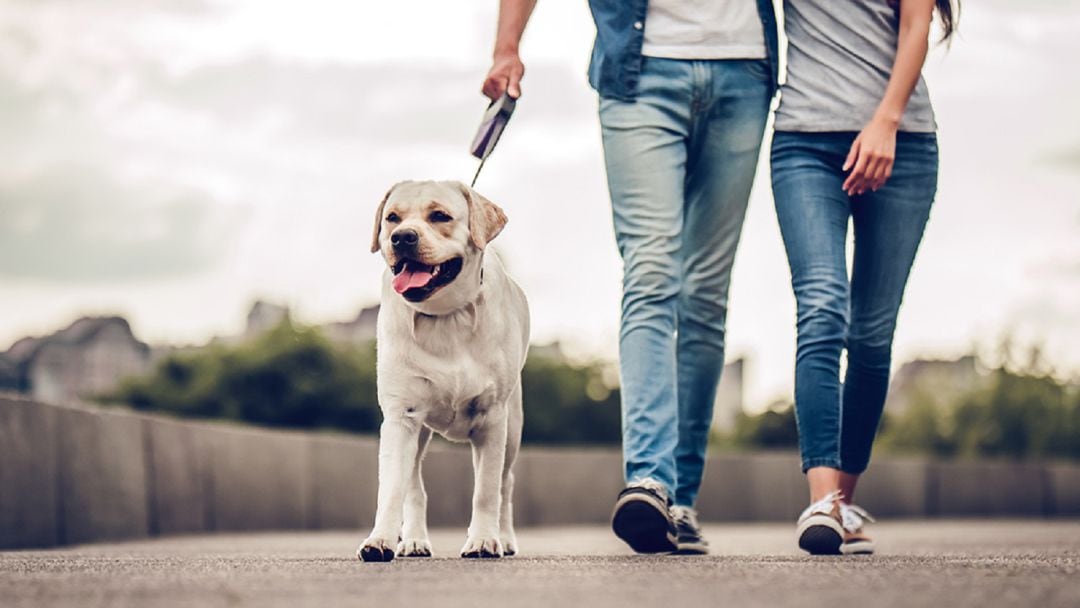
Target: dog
452	336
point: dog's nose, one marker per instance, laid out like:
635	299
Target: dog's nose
404	238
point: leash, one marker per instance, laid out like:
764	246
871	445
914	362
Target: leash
491	127
477	174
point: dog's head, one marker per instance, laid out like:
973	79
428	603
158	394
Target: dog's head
432	235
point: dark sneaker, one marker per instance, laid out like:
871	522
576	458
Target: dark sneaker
642	518
856	541
690	539
820	531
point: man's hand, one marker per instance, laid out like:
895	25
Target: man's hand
504	76
871	157
507	69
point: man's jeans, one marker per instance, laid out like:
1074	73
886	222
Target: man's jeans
837	424
680	163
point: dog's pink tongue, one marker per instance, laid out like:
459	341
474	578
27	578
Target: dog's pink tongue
408	279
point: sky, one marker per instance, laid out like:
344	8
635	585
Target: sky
173	161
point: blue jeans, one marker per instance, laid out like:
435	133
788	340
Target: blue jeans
837	423
680	163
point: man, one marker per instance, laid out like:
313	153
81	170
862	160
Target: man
685	88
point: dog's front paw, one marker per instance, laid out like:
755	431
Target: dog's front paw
375	550
480	546
414	548
509	545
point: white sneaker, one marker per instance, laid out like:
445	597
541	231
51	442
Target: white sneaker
856	542
820	531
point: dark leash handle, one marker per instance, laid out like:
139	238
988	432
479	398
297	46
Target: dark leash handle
491	127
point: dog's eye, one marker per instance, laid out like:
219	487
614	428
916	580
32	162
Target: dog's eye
439	217
393	218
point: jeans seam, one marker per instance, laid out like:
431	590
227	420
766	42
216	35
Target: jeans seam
820	462
852	470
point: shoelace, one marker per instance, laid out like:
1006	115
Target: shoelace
853	517
685	515
823	506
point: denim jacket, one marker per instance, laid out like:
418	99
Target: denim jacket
620	32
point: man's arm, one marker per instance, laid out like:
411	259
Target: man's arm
506	67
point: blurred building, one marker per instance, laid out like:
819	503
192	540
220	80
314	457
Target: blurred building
263	317
552	351
729	397
359	330
94	354
87	358
945	379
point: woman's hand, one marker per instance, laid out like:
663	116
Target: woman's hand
871	156
504	76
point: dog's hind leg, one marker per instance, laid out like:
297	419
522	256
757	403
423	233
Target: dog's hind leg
414	534
513	443
398	446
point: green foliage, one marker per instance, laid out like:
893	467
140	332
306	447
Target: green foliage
293	377
773	429
1009	414
289	377
565	404
1012	414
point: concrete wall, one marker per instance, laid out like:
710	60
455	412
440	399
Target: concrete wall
76	475
29	501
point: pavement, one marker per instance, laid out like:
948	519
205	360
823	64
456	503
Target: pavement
919	563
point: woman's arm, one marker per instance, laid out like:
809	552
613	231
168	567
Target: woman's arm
506	68
872	155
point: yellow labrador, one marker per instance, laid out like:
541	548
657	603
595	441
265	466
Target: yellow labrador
453	332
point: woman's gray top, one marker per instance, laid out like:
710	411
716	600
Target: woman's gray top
840	56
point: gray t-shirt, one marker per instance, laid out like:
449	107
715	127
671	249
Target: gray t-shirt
703	29
840	56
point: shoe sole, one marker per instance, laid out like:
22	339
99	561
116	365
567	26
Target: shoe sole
859	547
643	525
692	548
820	535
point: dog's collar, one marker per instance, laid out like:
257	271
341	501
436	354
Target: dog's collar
469	310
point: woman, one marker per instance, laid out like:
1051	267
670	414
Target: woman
855	139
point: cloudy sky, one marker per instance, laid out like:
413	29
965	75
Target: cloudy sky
172	161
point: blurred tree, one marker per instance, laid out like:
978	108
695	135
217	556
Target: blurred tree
1016	414
292	376
773	429
289	377
926	427
568	404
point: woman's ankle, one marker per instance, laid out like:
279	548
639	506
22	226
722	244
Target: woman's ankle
822	481
848	481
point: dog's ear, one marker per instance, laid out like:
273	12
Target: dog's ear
486	219
378	220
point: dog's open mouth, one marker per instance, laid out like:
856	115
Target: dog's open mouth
416	281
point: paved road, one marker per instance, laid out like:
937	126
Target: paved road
971	563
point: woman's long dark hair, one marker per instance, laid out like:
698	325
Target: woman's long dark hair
949	16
